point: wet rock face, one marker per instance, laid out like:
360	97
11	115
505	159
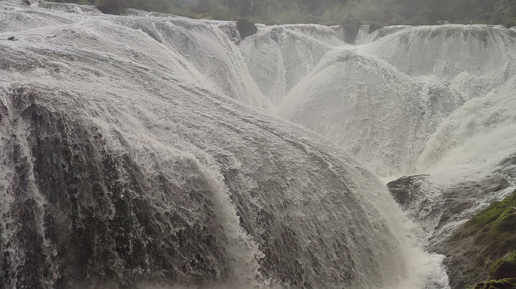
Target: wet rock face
503	268
441	214
426	202
82	206
405	189
473	248
82	214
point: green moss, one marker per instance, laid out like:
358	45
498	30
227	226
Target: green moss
494	228
508	283
504	267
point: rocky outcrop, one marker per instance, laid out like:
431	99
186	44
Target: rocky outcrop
436	207
473	246
503	267
509	283
246	28
479	242
405	189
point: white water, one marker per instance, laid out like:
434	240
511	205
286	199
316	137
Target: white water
188	105
390	101
419	100
163	112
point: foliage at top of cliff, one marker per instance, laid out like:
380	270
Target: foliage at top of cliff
377	12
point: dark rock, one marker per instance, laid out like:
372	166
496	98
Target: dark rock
404	189
246	28
12	38
503	268
488	236
463	196
374	26
467	255
351	26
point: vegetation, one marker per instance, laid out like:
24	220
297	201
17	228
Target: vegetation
494	229
495	226
509	283
504	267
480	242
502	274
377	12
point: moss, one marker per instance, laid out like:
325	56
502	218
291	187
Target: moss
474	246
508	283
504	267
495	227
503	274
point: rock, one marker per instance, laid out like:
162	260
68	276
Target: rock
503	267
351	26
404	189
509	283
435	207
472	247
486	237
246	28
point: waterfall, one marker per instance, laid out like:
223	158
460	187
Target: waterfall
155	151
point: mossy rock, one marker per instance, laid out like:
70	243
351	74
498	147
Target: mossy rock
508	283
488	236
246	28
504	267
495	227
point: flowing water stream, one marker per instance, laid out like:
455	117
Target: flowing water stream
152	151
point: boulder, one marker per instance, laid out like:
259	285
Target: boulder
504	267
246	28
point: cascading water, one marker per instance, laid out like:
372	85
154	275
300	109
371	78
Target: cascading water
421	100
280	56
137	151
134	154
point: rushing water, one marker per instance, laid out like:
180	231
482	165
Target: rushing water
144	151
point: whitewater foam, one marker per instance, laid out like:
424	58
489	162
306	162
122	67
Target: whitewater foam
155	167
168	118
